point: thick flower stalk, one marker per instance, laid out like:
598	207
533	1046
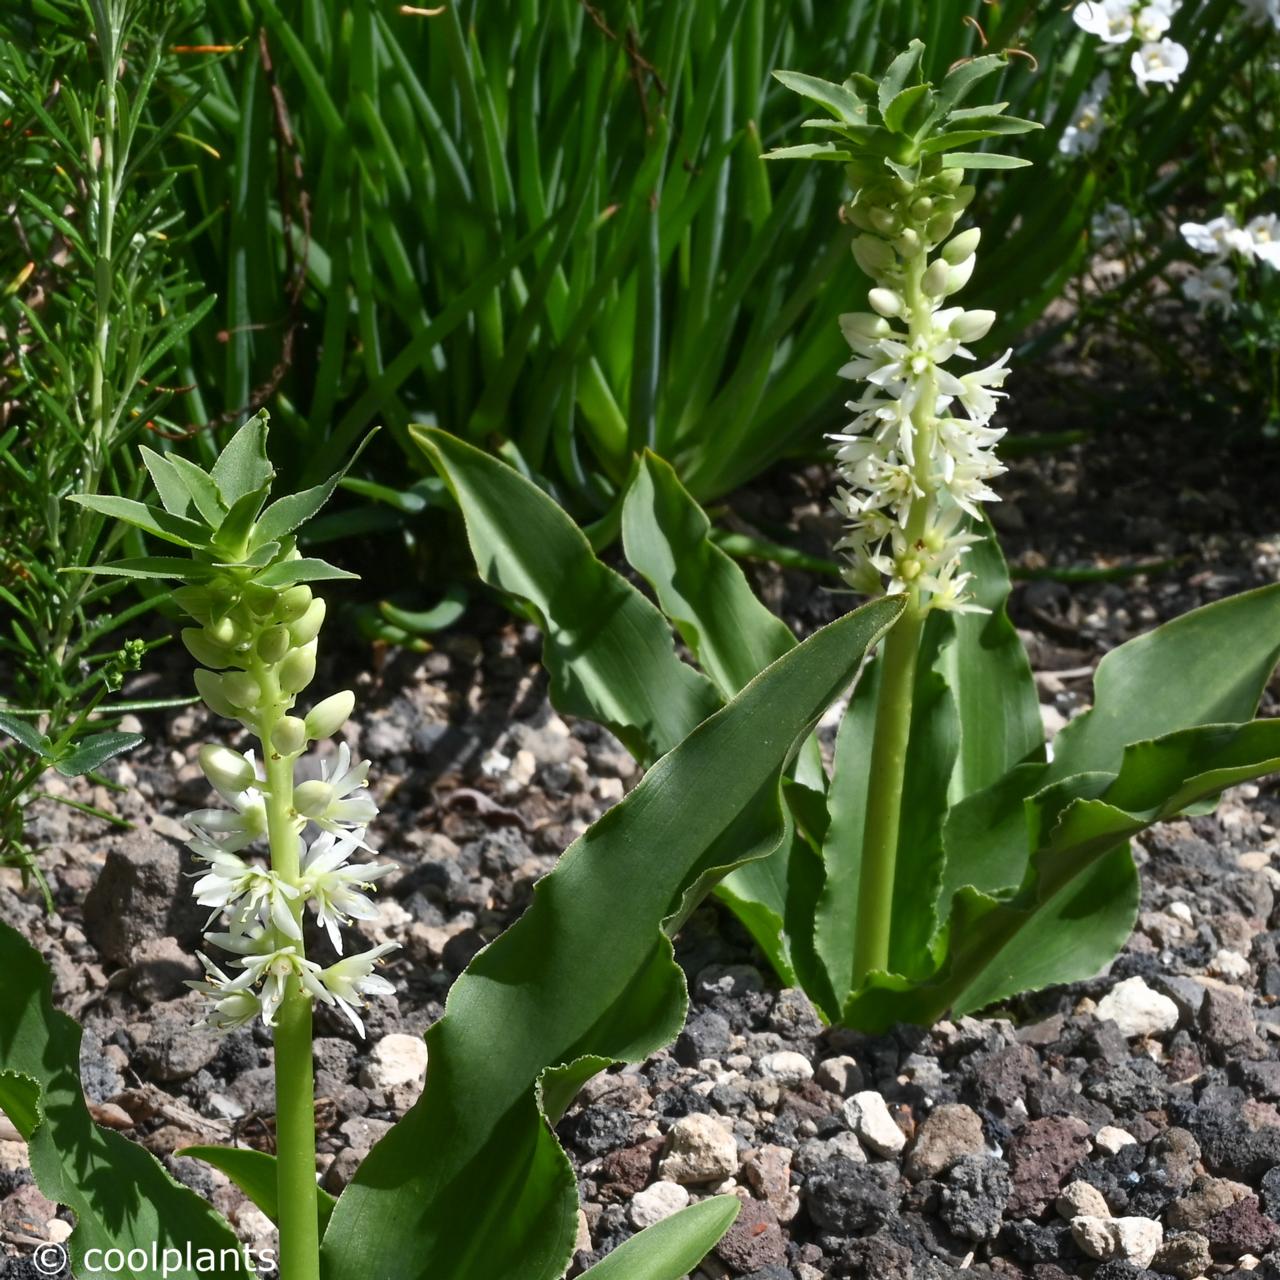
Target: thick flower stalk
278	853
916	462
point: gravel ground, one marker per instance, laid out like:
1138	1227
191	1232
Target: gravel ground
1123	1127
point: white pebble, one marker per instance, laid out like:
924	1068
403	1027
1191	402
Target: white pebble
840	1075
396	1059
869	1117
1180	911
1110	1139
786	1067
655	1203
1230	965
1137	1010
699	1149
1135	1240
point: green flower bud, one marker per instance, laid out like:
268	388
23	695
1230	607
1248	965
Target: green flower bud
241	689
884	222
293	603
963	246
948	180
873	255
960	274
327	717
307	627
908	243
936	278
209	687
289	735
273	644
921	208
224	632
862	326
969	326
941	225
964	196
261	600
859	216
297	670
226	769
886	302
203	650
312	799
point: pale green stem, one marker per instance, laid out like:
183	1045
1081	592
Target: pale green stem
891	738
295	1084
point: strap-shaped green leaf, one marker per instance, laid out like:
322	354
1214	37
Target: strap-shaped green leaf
471	1183
204	492
908	109
26	733
152	567
898	75
672	1248
174	495
982	160
608	650
303	570
121	1195
963	79
155	520
843	103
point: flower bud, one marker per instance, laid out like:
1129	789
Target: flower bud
873	255
963	246
858	215
228	770
305	629
886	302
941	225
203	650
293	603
327	717
273	644
921	208
935	279
209	687
862	326
312	799
241	689
960	274
908	243
885	222
298	669
949	180
289	735
224	632
969	326
964	196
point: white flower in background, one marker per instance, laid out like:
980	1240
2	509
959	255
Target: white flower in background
1264	238
1151	22
1218	237
1081	136
1110	20
348	982
1261	12
1158	62
1113	224
1212	289
332	885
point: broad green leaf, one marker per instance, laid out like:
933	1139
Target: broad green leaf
471	1183
243	466
672	1248
608	651
666	538
982	160
895	78
986	669
231	538
121	1195
841	102
174	495
960	81
903	114
155	520
303	570
26	733
1076	904
254	1172
93	752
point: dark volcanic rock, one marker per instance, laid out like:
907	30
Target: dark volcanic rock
846	1197
1040	1156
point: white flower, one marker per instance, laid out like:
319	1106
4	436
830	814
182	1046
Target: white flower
274	967
1114	224
332	886
979	393
1152	22
1081	136
339	799
350	980
1158	62
253	892
1109	20
234	1004
247	819
1213	288
1264	238
1260	12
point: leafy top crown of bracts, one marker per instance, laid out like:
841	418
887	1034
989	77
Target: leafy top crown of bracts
903	122
222	518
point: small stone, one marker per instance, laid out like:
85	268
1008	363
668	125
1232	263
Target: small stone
786	1067
396	1059
178	1046
768	1172
699	1149
1241	1228
974	1197
1132	1240
1041	1154
1110	1139
1082	1200
841	1075
846	1197
1207	1198
754	1240
161	970
869	1117
655	1203
1225	1020
1137	1010
1230	965
1184	1256
948	1132
1180	911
